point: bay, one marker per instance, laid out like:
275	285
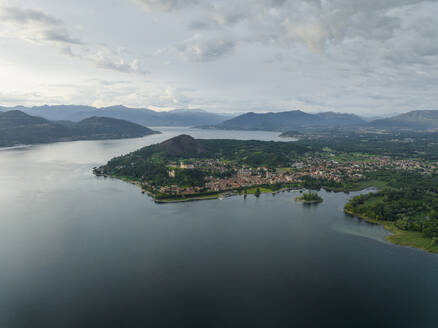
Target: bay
82	251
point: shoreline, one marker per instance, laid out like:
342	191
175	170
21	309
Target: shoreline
18	146
252	190
184	200
192	197
398	237
309	198
308	202
412	239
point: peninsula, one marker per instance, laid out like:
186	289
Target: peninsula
186	169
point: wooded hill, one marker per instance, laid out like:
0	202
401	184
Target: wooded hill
18	128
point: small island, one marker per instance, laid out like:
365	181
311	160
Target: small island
309	198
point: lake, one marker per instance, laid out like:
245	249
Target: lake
82	251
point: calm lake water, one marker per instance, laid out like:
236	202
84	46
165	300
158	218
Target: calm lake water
81	251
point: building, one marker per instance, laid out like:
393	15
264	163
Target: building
183	165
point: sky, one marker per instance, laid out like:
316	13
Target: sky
369	57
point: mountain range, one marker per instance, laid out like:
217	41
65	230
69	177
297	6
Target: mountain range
418	120
78	123
284	121
18	128
290	120
146	117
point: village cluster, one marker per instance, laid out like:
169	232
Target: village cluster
224	175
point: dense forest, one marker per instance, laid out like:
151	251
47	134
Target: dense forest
410	201
405	144
249	152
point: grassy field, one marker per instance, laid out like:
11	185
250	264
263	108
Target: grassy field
347	157
413	239
358	186
252	191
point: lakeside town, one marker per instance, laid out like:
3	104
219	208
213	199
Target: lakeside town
403	198
223	176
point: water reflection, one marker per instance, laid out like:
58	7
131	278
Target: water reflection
79	251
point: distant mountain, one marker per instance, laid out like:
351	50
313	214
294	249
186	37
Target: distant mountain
16	118
18	128
417	120
285	121
147	117
340	119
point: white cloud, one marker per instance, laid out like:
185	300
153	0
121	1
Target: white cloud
224	55
35	26
309	22
165	5
38	27
201	49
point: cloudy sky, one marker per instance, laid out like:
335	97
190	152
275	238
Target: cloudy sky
361	56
